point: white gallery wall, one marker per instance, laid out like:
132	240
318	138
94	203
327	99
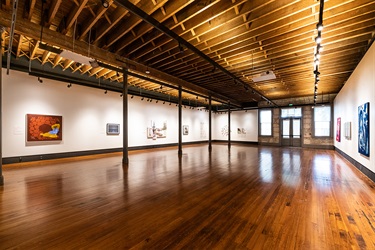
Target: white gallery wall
85	112
359	89
244	126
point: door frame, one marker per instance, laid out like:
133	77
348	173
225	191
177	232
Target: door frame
291	141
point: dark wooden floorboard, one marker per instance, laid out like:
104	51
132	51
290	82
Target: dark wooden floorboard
246	198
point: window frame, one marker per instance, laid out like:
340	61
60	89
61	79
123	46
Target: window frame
260	123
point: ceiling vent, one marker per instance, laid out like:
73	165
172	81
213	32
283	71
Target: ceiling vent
268	75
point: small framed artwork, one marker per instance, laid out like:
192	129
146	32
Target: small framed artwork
185	130
348	130
338	130
44	127
113	129
364	129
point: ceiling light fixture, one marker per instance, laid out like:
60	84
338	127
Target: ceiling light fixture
105	92
105	3
69	85
319	26
318	39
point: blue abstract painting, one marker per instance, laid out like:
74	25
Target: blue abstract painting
364	129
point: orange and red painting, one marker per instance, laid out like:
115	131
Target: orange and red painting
44	127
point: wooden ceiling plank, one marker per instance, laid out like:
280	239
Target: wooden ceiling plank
99	12
116	17
59	40
73	15
31	7
201	16
170	7
132	22
55	4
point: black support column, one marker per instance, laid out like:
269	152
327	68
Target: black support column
125	133
229	129
209	124
180	120
1	106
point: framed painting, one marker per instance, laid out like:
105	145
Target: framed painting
157	131
347	130
338	130
364	129
113	129
44	127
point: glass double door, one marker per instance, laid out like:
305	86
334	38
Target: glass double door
291	132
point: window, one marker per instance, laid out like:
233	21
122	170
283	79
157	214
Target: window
265	118
291	113
322	121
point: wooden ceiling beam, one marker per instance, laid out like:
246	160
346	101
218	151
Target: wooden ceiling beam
29	9
99	12
57	39
199	19
171	8
73	15
131	22
55	4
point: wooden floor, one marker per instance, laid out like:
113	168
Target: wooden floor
246	198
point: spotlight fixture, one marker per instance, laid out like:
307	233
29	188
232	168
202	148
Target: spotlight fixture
132	97
147	71
319	26
157	101
69	85
161	86
317	56
150	100
105	92
117	74
164	102
320	48
142	98
121	95
316	72
40	80
170	104
318	39
105	3
317	62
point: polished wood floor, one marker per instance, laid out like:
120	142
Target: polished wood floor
246	198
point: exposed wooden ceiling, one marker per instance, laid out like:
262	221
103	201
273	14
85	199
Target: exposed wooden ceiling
244	38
